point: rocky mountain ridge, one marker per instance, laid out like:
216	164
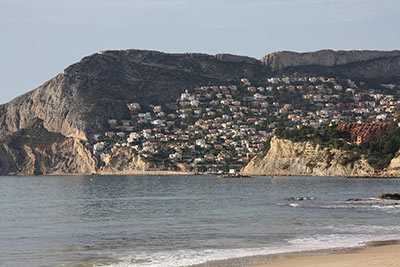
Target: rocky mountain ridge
78	101
327	58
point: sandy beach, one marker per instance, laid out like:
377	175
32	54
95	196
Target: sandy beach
386	255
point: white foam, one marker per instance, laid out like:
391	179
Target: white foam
365	229
191	257
389	206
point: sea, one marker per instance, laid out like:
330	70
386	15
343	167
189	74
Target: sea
168	221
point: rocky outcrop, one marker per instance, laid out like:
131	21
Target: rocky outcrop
328	58
122	160
237	59
289	158
389	196
67	157
393	170
36	151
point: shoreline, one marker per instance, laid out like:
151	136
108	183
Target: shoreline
391	176
317	258
178	173
377	253
133	173
153	173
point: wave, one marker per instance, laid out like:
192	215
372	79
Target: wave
193	257
390	206
300	198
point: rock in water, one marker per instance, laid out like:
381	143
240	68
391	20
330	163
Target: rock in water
389	196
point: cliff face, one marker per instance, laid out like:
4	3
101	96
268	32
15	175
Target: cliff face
305	158
36	151
122	160
394	166
328	58
69	156
78	102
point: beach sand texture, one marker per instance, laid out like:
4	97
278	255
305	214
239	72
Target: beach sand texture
382	256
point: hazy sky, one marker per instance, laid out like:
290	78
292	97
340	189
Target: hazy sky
39	38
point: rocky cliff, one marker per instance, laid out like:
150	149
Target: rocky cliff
327	58
78	102
36	151
289	158
123	160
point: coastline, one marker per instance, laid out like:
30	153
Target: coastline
133	173
378	176
375	253
166	173
162	173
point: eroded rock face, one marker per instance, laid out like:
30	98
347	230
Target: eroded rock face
330	58
289	158
122	160
394	166
36	151
69	156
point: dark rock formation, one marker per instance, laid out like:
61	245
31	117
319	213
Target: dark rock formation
389	196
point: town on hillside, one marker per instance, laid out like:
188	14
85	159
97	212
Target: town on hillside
220	128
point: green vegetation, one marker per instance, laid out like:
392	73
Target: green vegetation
34	135
378	153
381	151
267	146
311	165
324	135
285	166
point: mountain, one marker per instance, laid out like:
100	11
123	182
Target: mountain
79	101
44	131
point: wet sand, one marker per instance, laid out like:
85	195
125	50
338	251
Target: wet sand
372	256
379	253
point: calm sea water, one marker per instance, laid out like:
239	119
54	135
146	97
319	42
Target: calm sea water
179	221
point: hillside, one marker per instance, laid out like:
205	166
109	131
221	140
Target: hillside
327	152
132	111
79	101
288	158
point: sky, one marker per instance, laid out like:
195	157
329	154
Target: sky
40	38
